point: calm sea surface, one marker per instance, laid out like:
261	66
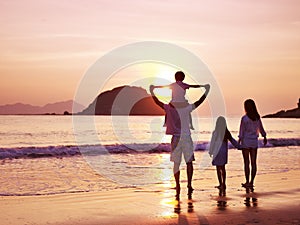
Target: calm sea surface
28	131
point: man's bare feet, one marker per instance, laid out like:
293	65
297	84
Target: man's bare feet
247	185
177	196
190	192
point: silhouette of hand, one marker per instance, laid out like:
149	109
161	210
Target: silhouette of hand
265	141
207	86
151	88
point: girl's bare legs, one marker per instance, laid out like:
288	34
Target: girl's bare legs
253	157
223	177
219	174
246	154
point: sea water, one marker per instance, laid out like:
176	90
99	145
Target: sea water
56	131
62	154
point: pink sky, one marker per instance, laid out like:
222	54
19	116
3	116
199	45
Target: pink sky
252	47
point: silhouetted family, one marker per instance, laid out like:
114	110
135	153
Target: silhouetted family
178	124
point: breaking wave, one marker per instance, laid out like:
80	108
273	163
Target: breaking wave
72	150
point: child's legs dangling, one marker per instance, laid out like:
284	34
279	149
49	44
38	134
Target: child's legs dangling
165	122
191	122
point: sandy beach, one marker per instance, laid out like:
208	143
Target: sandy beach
275	200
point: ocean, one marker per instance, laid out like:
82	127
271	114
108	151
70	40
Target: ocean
43	155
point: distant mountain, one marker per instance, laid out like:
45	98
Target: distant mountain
292	113
124	100
52	108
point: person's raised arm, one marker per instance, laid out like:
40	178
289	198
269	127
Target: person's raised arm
155	99
203	97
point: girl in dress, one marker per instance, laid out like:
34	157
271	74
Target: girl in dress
250	128
219	149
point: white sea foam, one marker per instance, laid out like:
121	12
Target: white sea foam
67	151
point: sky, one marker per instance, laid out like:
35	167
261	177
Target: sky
252	47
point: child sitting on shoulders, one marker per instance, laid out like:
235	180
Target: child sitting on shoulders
178	92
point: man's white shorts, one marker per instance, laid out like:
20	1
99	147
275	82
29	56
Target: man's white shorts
182	145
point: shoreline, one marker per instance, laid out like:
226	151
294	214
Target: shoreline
275	200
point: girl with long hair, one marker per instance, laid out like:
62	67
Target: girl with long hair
218	149
250	128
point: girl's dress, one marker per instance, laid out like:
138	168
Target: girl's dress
220	154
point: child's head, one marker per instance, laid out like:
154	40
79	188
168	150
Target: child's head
179	76
251	110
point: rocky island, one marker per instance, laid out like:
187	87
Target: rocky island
292	113
124	100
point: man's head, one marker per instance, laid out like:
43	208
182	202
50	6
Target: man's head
179	76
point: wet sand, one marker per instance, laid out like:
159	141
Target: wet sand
275	200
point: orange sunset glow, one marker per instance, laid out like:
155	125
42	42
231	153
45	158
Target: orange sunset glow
251	47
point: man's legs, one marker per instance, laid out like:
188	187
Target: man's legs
176	172
182	145
190	170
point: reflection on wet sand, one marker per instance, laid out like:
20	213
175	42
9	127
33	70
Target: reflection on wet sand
177	208
221	201
188	215
190	207
251	198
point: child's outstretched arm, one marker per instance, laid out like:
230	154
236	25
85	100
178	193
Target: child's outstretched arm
161	86
196	85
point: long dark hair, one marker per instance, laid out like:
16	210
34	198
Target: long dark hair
251	110
221	128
